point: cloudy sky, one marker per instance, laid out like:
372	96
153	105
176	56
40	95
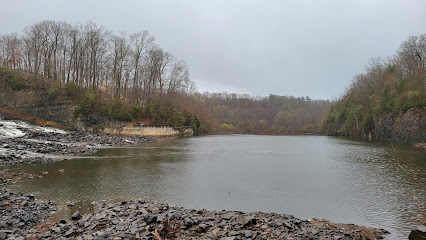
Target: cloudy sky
300	48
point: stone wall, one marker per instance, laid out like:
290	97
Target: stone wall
409	127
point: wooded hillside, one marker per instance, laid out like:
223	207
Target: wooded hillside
266	115
128	77
388	86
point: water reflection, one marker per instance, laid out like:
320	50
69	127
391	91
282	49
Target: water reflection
386	187
337	179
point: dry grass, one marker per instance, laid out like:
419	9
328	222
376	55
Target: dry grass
167	231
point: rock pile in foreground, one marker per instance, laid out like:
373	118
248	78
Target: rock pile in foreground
20	213
139	219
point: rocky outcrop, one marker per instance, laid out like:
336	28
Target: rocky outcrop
59	112
409	127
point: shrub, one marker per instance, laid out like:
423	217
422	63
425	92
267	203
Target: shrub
227	127
415	99
72	90
412	99
197	126
53	94
90	106
308	128
137	111
119	111
17	83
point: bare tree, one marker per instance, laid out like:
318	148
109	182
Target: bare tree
120	57
11	51
92	57
178	79
413	58
140	43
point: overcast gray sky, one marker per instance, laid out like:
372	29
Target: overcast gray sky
300	48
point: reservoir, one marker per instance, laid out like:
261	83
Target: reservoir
345	181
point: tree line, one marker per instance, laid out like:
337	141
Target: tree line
129	77
106	75
277	115
388	86
131	67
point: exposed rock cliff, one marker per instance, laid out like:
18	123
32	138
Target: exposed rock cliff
409	127
60	112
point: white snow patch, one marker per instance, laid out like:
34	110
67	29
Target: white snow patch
9	129
2	150
49	130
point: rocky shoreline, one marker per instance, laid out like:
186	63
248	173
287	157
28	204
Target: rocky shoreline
23	217
20	213
24	143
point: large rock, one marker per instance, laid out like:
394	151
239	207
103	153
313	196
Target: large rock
3	235
76	216
20	147
247	220
418	234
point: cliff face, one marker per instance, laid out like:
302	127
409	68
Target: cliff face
59	112
409	127
51	115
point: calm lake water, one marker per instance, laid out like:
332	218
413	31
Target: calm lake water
307	176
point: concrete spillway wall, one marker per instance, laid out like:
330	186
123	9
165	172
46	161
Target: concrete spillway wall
158	130
140	130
